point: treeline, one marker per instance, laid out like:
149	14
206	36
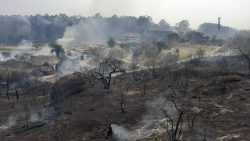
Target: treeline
46	28
211	29
36	28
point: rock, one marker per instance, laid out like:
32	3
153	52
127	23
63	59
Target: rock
67	86
47	70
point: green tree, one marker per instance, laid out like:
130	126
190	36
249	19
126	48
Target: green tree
164	24
57	49
183	27
111	42
200	54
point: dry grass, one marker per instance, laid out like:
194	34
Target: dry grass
187	50
6	48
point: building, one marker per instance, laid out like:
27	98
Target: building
85	55
130	37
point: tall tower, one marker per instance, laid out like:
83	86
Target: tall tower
219	26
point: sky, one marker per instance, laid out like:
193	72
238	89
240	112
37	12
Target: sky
234	13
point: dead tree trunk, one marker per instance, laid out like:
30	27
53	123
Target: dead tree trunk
17	96
27	115
248	73
106	70
122	103
7	90
106	81
44	100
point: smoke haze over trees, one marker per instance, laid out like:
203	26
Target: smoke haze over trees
211	29
37	28
45	28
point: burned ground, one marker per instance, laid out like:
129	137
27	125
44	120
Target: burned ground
87	114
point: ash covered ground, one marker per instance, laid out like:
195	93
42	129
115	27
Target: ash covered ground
160	83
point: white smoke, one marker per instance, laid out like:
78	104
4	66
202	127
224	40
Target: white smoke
10	123
87	35
25	50
72	61
153	123
120	133
69	65
28	47
92	31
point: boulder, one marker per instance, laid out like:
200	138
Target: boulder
47	70
67	86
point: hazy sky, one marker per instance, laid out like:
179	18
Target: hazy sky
235	13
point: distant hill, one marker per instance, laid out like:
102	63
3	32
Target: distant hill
211	29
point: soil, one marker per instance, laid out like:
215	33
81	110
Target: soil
87	114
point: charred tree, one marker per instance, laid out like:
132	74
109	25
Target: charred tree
106	71
27	114
7	90
240	44
8	86
17	95
174	130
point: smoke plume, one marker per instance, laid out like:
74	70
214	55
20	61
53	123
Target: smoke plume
24	51
153	123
